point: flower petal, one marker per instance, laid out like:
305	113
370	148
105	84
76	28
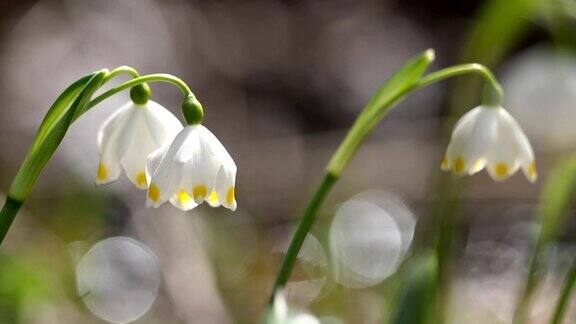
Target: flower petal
182	199
503	160
455	152
109	166
226	186
167	177
163	125
139	148
483	135
204	171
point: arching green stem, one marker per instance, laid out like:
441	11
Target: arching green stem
406	80
159	77
565	296
120	70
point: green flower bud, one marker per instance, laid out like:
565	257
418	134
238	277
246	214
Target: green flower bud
192	110
140	93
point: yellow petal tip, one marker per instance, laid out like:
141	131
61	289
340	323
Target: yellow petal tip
183	197
154	192
459	165
102	173
141	181
531	172
501	170
199	191
230	195
445	165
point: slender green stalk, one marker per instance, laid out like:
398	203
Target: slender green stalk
555	200
406	80
565	296
521	313
119	70
304	227
159	77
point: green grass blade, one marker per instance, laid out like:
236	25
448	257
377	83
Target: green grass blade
555	199
386	98
565	295
59	108
418	292
51	133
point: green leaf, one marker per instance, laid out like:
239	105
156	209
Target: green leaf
506	19
52	131
418	290
400	82
59	108
386	98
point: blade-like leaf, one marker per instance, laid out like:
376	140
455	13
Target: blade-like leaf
401	81
53	129
418	291
59	108
389	95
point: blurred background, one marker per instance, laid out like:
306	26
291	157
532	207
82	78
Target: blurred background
281	81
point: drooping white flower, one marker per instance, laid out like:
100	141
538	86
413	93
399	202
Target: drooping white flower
194	168
489	137
281	314
127	138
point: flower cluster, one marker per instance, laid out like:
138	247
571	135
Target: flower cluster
183	165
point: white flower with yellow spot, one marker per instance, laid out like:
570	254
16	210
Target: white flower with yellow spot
127	138
194	168
489	137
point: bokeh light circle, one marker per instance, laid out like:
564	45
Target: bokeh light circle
118	279
368	239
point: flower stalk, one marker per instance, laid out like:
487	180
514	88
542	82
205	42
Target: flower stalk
405	81
555	201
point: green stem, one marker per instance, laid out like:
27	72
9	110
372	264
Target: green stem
159	77
385	99
9	211
303	229
119	70
493	93
566	291
555	201
521	313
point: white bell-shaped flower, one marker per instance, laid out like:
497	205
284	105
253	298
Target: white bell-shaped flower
194	168
127	138
489	137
